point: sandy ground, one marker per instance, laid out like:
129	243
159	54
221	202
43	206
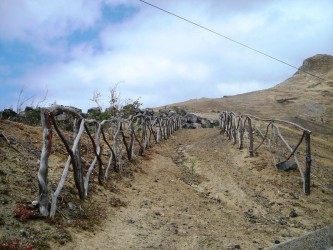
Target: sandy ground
198	191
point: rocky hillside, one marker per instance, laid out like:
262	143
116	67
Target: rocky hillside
302	98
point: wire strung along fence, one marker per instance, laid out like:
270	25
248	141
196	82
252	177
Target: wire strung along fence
283	139
90	141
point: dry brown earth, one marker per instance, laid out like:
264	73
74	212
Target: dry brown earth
196	191
193	191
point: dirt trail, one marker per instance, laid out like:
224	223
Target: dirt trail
197	191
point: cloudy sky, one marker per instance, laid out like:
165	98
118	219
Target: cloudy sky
68	50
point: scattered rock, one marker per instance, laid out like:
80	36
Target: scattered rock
131	221
71	206
250	216
192	125
286	100
293	214
283	221
157	213
3	201
287	165
116	202
34	203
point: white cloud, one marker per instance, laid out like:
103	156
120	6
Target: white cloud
47	19
164	59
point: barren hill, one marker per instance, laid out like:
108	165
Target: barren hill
302	98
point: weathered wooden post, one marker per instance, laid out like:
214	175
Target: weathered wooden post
143	136
307	183
131	147
43	200
240	132
234	128
250	136
223	122
229	126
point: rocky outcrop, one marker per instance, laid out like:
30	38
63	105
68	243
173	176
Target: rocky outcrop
317	64
193	122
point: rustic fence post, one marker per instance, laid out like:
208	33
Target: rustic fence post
234	129
66	170
43	200
229	126
250	137
307	183
143	136
240	132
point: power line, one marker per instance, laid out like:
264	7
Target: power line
230	39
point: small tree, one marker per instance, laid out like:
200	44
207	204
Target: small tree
97	99
117	106
20	102
114	100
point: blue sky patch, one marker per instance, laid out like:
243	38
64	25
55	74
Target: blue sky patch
118	13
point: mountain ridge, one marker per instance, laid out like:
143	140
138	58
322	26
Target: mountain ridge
302	97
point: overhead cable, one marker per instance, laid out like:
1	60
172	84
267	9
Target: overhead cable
230	39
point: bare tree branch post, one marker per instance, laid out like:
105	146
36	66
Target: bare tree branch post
76	168
308	165
43	200
250	137
65	172
97	152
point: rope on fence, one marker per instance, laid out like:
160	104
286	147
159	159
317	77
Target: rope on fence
135	134
231	123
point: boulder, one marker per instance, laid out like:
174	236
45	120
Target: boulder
204	122
189	125
191	118
286	165
214	123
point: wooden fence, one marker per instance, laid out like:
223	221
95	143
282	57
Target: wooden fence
122	139
260	130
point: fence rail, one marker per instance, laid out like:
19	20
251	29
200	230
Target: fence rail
236	125
124	140
114	141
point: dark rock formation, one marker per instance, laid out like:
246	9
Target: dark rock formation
7	113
